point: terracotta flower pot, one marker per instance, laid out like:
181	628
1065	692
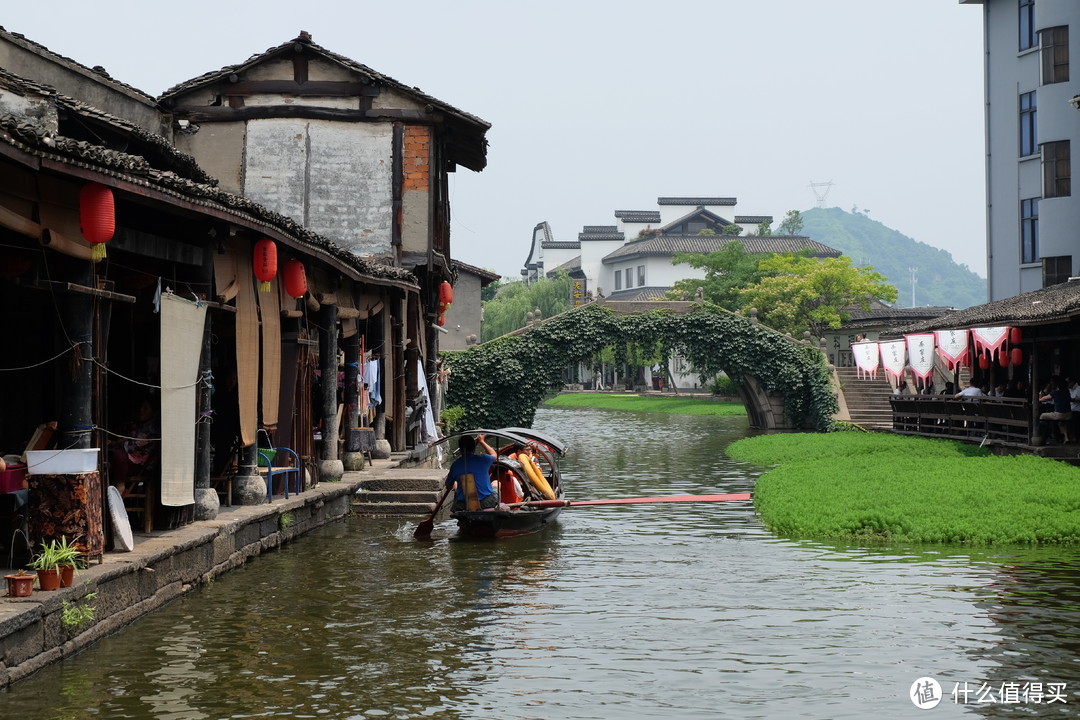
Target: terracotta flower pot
67	575
49	579
20	585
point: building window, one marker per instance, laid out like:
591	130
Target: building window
1057	270
1029	230
618	279
1057	180
1029	139
641	275
629	278
1054	44
1027	24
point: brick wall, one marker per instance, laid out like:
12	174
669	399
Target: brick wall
417	155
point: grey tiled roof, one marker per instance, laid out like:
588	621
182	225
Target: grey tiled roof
26	136
601	229
753	218
696	201
608	234
638	216
568	266
162	154
467	123
101	74
561	245
1053	304
639	294
660	245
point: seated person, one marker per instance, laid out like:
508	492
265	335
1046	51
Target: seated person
972	390
477	466
1062	410
137	450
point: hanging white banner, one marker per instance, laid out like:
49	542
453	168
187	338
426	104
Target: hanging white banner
952	346
920	349
866	358
893	357
990	339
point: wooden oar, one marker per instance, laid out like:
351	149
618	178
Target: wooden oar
630	501
423	530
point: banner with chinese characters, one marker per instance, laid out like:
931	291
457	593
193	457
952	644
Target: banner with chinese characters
952	346
920	350
893	357
990	339
866	358
577	292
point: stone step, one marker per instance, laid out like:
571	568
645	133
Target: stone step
416	479
393	509
396	496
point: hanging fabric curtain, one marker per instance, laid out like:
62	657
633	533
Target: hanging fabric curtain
893	357
920	350
866	359
952	347
990	339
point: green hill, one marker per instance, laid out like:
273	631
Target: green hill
940	280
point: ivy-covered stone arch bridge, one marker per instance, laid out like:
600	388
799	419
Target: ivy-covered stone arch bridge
785	384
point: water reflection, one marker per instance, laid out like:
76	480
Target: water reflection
637	611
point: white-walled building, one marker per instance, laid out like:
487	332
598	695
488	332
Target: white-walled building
1031	121
632	260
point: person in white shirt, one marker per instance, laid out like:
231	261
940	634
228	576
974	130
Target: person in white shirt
972	390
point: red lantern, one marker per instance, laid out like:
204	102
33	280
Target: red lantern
1015	335
265	263
1003	358
295	278
1017	356
97	217
984	362
446	293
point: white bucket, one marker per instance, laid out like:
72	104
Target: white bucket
61	462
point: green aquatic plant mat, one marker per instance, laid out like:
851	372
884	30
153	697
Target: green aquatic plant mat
909	490
649	404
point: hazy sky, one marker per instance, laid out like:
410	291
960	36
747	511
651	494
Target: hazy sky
598	106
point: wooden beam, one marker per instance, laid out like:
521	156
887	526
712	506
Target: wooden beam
302	88
208	114
61	244
22	225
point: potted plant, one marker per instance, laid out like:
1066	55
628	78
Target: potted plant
48	569
68	558
20	584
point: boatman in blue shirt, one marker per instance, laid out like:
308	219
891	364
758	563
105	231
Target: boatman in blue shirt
470	473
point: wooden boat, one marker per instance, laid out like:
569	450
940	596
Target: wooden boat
509	468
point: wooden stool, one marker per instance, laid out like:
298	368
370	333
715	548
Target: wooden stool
139	499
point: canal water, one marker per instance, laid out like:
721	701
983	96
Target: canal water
677	611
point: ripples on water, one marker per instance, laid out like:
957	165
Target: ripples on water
633	611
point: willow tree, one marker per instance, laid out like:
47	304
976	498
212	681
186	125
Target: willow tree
509	309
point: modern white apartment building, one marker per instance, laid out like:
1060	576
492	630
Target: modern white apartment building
1032	127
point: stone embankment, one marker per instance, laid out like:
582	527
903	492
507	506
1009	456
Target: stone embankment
166	564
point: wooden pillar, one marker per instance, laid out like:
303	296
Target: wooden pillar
330	466
76	378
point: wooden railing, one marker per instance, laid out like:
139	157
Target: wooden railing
979	419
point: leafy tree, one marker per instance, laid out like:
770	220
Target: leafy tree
792	224
488	292
764	228
733	230
707	232
727	272
799	293
507	311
